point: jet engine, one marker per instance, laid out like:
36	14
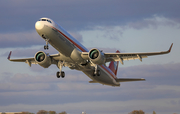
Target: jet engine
43	59
96	56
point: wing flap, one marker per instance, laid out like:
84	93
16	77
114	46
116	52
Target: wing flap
129	79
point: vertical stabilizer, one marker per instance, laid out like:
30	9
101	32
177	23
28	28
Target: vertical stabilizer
113	65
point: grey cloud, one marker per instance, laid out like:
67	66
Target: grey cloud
77	81
80	14
154	22
77	36
22	87
27	39
38	90
154	74
110	32
42	78
23	39
29	52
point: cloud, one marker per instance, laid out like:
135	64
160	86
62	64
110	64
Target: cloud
77	36
22	87
21	39
154	22
22	15
161	75
27	39
159	92
29	52
157	74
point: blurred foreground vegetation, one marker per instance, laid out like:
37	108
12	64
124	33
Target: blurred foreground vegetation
54	112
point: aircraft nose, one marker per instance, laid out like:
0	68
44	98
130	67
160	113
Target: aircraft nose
39	25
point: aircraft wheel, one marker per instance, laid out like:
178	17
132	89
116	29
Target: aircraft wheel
98	72
94	73
46	47
62	74
58	75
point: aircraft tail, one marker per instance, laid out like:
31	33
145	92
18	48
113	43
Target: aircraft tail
113	65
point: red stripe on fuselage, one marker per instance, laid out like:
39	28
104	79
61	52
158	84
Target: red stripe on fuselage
81	48
84	50
108	70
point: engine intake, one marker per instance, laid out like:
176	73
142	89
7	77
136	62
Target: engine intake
43	59
96	56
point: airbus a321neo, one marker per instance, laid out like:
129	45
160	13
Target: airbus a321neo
75	56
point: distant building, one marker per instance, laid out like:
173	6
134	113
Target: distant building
10	112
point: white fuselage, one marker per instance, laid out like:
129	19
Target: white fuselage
70	51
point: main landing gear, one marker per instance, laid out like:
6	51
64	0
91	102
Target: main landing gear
46	47
61	73
96	72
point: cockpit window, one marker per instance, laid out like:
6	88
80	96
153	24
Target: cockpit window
49	21
43	19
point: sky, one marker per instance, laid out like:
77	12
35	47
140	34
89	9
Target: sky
109	25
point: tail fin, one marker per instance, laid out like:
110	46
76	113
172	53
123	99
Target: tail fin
113	65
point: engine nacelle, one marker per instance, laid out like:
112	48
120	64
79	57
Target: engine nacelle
96	56
42	59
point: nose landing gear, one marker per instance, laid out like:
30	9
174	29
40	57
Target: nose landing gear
47	40
46	46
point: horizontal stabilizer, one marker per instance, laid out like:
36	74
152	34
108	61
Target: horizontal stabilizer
92	81
129	79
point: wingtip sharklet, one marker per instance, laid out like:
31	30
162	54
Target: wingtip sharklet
9	56
170	48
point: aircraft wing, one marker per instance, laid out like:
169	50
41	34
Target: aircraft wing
128	56
132	56
29	61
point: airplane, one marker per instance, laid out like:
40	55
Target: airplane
74	55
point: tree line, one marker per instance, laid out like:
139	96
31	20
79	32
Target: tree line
64	112
40	112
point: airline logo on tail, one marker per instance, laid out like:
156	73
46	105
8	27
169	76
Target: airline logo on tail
113	65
